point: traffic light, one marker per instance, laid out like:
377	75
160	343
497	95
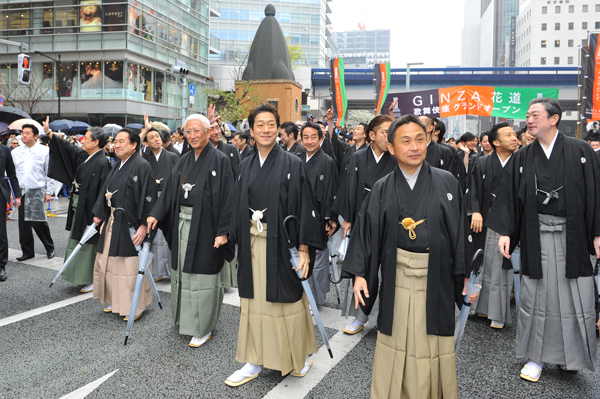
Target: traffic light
179	70
24	72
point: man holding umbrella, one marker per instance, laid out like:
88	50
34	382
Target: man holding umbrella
276	329
86	169
195	215
410	227
124	203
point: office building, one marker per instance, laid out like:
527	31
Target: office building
114	57
364	48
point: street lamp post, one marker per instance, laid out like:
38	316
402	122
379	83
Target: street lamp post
408	73
58	76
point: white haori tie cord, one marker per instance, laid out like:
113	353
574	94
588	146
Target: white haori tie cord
257	217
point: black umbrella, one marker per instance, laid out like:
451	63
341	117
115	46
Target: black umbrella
10	114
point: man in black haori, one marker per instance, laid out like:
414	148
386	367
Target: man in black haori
366	167
162	163
321	172
194	211
497	271
125	201
409	232
276	329
550	204
85	169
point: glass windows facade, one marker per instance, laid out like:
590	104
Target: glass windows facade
178	26
301	20
154	33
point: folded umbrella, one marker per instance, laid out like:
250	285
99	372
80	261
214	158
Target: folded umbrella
88	233
295	259
473	287
145	258
516	263
334	270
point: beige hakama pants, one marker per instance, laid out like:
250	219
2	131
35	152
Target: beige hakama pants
410	363
115	276
277	336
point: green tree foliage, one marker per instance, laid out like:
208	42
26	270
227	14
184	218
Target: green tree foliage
233	105
296	52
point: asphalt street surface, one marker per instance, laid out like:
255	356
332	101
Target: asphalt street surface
56	342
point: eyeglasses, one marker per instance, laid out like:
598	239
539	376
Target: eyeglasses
197	131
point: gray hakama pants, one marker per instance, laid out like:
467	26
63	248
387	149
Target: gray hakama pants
358	313
556	315
319	280
162	255
496	285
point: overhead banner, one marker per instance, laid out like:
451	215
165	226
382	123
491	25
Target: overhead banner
338	90
591	107
381	83
501	102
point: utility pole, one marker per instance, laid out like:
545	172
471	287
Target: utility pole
58	75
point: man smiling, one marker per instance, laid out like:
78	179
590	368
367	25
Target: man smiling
409	227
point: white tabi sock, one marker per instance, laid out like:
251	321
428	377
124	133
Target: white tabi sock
306	366
249	369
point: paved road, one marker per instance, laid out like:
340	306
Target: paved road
58	343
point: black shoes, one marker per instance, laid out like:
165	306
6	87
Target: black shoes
24	257
2	274
50	254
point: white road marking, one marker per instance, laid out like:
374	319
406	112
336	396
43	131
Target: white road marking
297	388
39	260
89	388
44	309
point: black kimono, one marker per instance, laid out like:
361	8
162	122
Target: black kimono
376	236
232	154
68	165
161	168
363	172
485	181
445	158
211	198
281	187
296	148
172	150
343	153
464	176
516	208
322	175
133	189
246	152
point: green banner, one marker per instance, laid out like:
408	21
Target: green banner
513	102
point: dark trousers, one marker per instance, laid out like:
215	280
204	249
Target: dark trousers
3	238
26	235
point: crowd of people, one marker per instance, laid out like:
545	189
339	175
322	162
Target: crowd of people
414	206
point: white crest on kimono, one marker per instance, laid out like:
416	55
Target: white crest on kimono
149	198
521	169
313	213
484	176
231	154
214	173
135	179
449	197
470	238
356	168
583	160
467	190
321	177
288	176
441	161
